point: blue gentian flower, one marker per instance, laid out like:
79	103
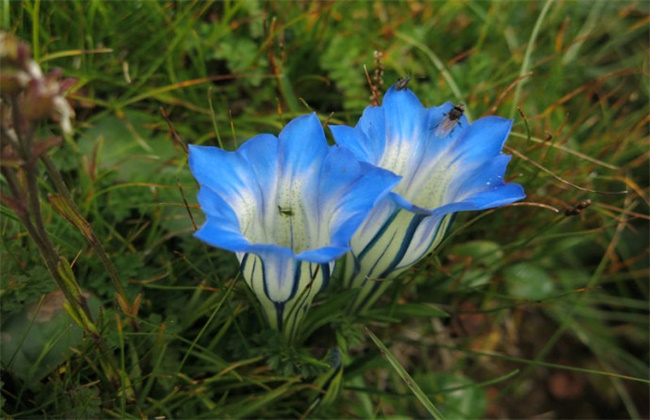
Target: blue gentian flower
288	207
447	166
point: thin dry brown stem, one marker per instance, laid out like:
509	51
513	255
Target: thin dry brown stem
562	180
173	131
508	89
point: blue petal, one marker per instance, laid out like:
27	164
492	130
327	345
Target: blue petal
222	170
368	140
302	147
225	199
406	128
294	194
358	199
452	169
485	138
505	194
404	115
339	199
354	140
260	157
213	232
484	176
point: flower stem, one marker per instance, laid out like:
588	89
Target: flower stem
88	232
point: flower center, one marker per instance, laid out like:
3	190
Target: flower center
280	218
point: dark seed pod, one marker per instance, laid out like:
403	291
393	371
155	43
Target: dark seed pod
578	208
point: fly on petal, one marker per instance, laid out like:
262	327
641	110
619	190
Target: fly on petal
452	118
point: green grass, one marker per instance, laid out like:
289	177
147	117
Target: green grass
548	313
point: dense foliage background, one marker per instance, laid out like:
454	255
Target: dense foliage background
548	314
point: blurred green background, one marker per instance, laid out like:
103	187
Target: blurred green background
548	313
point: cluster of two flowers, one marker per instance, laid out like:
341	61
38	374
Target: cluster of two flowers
382	198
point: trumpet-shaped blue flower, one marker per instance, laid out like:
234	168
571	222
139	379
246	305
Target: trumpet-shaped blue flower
288	207
447	166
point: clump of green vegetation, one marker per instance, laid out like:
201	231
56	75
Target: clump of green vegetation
531	309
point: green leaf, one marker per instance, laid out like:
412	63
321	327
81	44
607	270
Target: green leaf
330	310
36	340
476	260
410	383
528	281
481	252
18	290
129	147
456	395
418	310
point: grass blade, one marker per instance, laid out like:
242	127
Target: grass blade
410	383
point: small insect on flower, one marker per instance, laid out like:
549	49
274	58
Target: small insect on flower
447	125
402	83
285	211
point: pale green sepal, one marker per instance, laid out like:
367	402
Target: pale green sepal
400	242
285	287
